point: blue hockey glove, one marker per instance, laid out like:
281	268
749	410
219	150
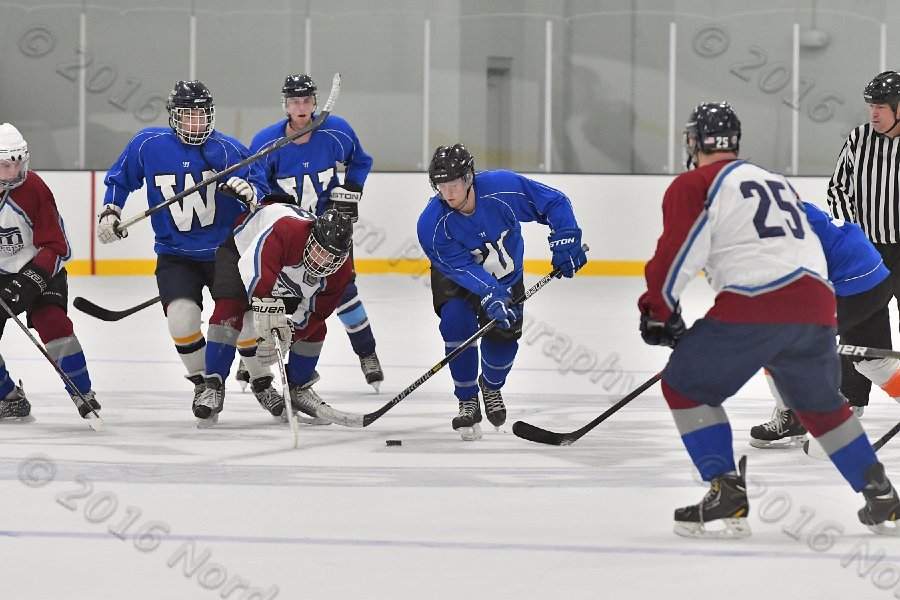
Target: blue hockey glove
497	305
24	288
568	255
661	333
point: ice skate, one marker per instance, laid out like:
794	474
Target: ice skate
784	431
242	376
84	408
209	405
493	404
268	397
199	386
16	407
371	368
726	501
882	502
467	422
305	400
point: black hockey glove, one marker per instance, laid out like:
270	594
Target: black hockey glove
345	199
24	288
661	333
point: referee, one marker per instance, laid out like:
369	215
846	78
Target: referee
865	189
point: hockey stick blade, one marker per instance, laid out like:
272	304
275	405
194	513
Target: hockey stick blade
104	314
355	420
315	124
532	433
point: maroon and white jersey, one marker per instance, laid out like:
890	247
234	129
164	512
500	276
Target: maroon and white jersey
747	229
271	243
31	228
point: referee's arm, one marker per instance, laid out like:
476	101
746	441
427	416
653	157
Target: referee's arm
841	193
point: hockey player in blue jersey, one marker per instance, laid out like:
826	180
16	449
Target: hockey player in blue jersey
471	232
863	290
168	160
306	170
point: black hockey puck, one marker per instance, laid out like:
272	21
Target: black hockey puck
394	442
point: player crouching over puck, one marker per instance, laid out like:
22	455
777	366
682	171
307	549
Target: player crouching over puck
293	267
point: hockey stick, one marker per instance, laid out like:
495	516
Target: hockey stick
355	420
104	314
326	110
95	422
532	433
866	352
285	390
886	437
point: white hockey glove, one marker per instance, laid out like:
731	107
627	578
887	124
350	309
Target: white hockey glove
345	199
242	190
269	315
106	228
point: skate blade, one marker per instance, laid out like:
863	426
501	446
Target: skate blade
470	434
731	529
796	441
814	449
27	419
377	386
95	422
243	385
207	423
885	528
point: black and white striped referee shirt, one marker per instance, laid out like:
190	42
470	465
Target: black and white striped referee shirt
865	186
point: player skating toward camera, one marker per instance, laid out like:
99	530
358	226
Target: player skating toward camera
471	232
33	249
863	289
307	170
187	233
774	309
294	268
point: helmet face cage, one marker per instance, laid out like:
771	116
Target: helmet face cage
450	164
712	127
298	86
192	114
328	244
13	153
884	89
319	261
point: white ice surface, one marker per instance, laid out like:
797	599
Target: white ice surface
344	516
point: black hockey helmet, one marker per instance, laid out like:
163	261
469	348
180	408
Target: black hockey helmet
450	163
884	89
328	246
184	98
298	85
713	127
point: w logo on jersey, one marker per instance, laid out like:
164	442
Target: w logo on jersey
183	212
11	240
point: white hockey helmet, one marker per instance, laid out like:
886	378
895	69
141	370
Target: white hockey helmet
13	153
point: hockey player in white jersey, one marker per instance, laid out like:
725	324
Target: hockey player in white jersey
774	309
294	269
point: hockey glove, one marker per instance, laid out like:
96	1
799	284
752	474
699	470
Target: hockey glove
661	333
345	199
24	288
568	255
106	228
242	190
497	305
269	315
